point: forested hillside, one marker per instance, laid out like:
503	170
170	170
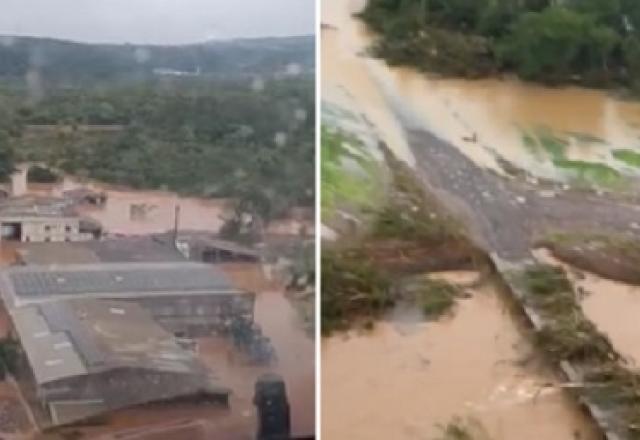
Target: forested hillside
65	62
248	136
591	42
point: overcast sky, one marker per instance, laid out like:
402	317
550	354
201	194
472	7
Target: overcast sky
155	21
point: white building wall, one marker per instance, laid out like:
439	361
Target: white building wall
53	229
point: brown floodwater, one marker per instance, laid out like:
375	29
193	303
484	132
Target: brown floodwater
612	306
347	79
495	111
402	380
131	212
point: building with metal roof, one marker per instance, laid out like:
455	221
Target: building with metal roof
187	298
43	219
207	247
130	249
84	357
101	336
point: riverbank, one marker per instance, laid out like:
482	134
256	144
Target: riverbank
410	233
546	42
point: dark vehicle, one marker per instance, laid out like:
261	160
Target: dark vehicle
270	399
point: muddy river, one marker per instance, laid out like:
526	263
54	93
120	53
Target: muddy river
404	379
534	127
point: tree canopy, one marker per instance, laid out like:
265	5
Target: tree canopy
214	138
592	42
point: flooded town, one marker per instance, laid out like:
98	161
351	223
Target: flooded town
168	324
480	237
157	225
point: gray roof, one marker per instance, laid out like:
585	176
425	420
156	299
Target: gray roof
134	249
112	250
56	253
208	240
52	355
26	284
36	207
83	336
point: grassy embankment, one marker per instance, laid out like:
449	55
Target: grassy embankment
408	234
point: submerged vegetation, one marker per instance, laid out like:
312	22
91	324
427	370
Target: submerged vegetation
591	172
630	157
437	297
567	335
463	429
351	287
543	140
589	42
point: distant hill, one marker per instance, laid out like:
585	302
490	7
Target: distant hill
69	62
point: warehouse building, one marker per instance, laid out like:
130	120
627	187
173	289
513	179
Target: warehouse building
187	299
100	336
81	358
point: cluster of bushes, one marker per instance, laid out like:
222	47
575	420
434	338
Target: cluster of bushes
593	42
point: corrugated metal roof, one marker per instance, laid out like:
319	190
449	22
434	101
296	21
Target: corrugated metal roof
33	207
104	279
56	253
84	336
52	355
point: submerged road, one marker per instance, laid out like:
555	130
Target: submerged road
504	215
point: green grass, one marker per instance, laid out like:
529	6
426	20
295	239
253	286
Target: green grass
592	172
360	187
586	138
630	157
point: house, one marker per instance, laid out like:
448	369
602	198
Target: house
43	219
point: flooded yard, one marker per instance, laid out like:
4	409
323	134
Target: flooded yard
403	380
129	212
133	212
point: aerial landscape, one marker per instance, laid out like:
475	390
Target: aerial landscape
157	238
480	219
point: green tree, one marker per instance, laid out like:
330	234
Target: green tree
7	157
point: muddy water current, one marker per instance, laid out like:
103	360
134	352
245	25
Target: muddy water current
524	123
405	378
